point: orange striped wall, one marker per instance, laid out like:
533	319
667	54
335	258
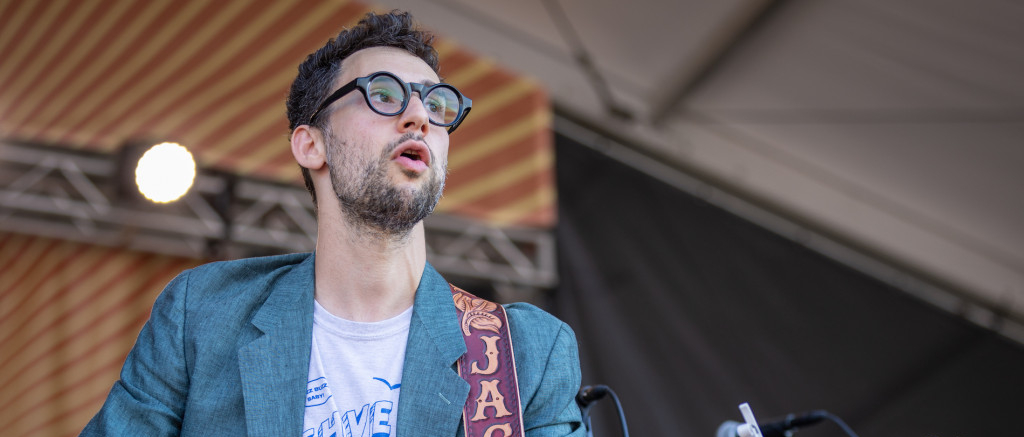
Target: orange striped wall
213	75
69	313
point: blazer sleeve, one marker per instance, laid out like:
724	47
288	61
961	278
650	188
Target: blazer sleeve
555	400
549	375
149	398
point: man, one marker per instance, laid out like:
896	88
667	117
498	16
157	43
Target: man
361	338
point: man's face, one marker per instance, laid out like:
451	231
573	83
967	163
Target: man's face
387	171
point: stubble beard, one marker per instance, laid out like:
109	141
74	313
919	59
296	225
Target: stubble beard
368	198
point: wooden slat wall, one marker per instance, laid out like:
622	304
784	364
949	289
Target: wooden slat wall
213	75
69	313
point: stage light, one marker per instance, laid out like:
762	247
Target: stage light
165	172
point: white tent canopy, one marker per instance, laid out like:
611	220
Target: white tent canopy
894	129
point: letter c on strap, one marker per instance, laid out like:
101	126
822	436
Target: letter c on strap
506	430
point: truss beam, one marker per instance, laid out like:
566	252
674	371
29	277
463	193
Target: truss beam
63	193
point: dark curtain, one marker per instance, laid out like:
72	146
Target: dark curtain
686	310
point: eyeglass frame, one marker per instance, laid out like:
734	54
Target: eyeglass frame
465	103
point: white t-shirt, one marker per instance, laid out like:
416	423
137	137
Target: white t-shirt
355	375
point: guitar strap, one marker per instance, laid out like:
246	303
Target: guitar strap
489	366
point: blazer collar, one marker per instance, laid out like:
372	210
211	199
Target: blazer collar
434	308
433	393
274	366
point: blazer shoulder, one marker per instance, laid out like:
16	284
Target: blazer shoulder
248	266
525	313
242	277
537	329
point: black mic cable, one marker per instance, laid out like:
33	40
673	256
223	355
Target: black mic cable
590	394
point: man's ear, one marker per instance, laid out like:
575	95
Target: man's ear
308	147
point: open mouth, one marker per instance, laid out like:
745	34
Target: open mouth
414	151
411	154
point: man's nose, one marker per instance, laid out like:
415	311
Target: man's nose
415	116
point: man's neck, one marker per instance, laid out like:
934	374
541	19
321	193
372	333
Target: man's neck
366	276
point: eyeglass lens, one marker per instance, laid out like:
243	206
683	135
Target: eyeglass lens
387	96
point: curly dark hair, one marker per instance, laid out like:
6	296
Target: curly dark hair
321	68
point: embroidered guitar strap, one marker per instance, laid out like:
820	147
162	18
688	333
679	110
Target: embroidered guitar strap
489	366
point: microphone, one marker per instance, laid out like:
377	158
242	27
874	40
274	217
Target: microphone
589	394
731	428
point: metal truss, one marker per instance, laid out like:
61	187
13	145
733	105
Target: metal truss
74	195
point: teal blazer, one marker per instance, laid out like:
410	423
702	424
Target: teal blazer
226	352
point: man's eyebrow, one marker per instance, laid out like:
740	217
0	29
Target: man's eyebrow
428	82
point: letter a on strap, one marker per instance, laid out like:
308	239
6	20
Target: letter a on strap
489	366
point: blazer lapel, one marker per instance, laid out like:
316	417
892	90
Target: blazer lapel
274	366
433	393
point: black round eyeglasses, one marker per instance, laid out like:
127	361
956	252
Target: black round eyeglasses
388	95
